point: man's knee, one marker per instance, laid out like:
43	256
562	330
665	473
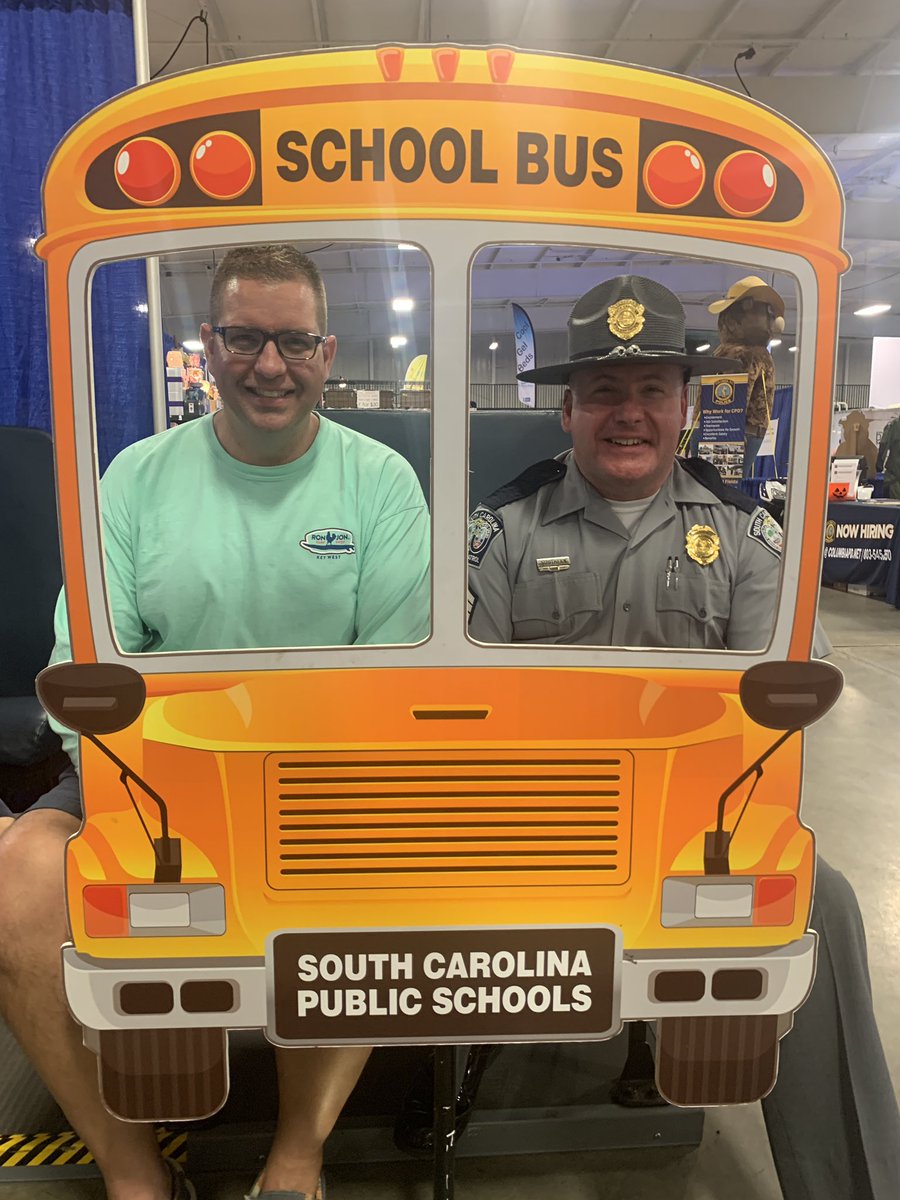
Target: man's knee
32	878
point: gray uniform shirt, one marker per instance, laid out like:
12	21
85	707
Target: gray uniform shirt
549	561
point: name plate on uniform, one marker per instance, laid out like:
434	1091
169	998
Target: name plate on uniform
445	985
549	565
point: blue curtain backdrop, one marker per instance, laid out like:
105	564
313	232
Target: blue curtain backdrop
775	466
58	60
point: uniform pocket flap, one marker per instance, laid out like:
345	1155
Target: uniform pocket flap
696	595
556	597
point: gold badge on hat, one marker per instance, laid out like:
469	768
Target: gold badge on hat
702	544
626	319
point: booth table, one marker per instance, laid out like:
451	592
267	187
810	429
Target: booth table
862	545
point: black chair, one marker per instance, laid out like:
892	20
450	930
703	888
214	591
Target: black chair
31	754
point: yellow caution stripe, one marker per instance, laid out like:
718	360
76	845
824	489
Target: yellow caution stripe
57	1149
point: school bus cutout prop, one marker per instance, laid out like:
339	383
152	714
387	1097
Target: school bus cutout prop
625	845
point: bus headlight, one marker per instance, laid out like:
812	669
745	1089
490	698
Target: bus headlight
711	900
159	910
153	910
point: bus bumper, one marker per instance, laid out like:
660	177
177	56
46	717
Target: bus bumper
165	993
231	993
691	983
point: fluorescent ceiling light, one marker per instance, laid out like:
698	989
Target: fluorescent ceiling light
700	349
192	344
872	310
403	304
774	342
792	349
397	341
493	345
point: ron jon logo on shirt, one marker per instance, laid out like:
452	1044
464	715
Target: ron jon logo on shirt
329	542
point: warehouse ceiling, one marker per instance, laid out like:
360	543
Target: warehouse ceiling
831	66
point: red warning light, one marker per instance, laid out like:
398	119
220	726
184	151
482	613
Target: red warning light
745	183
147	171
674	174
222	165
446	60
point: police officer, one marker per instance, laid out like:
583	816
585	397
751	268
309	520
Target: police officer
618	542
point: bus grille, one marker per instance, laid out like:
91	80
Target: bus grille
416	818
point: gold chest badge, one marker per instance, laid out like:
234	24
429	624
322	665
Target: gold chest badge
702	544
626	319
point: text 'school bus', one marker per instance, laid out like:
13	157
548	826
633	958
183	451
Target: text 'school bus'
446	841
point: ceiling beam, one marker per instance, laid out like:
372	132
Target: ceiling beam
861	64
518	39
817	20
617	36
725	13
320	24
864	164
424	21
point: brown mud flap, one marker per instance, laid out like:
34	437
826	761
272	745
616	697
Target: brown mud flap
163	1074
716	1060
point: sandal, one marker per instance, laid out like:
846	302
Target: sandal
256	1194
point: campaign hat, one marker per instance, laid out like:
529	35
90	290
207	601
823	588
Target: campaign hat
628	319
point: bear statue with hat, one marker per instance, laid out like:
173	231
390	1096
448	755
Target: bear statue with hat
749	315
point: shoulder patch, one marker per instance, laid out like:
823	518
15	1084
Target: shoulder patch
526	484
484	526
707	475
764	528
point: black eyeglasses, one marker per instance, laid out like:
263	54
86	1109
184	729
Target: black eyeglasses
292	344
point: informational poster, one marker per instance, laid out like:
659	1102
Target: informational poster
723	410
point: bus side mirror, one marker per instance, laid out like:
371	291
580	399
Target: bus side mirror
92	698
789	695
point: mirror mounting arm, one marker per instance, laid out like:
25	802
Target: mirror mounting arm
166	849
717	843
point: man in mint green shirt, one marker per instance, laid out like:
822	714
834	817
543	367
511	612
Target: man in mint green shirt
328	549
301	533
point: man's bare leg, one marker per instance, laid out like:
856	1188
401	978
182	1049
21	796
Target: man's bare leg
313	1087
32	901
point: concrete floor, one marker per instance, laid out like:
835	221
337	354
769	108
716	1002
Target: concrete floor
852	764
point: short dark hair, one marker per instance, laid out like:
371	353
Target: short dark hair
269	264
